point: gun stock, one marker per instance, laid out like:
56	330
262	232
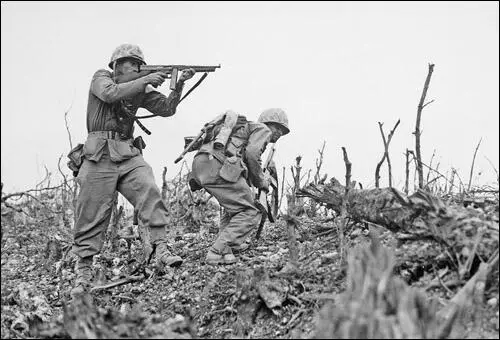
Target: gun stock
186	149
207	126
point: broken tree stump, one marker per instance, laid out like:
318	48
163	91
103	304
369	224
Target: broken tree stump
378	304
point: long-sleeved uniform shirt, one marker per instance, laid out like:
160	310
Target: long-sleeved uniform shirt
105	94
253	139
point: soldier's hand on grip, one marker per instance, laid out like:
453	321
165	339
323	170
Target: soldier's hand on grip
187	74
155	79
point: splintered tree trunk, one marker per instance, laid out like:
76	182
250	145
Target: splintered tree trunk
378	206
420	216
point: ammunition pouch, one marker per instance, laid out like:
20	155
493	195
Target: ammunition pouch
231	169
139	143
193	183
76	157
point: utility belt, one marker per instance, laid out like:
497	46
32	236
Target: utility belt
110	135
138	142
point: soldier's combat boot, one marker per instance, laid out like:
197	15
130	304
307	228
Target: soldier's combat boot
240	248
83	279
164	256
215	257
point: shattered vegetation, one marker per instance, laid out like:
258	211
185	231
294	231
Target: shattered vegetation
418	266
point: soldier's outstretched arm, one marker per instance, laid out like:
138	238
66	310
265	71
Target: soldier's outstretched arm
257	143
108	91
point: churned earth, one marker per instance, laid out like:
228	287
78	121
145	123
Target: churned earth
255	298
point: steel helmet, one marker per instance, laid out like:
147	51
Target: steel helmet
275	115
126	51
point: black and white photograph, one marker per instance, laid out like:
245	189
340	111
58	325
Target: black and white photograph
250	169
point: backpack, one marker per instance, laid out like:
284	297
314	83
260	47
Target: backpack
219	132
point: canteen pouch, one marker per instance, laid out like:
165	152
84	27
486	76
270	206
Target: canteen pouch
76	157
231	169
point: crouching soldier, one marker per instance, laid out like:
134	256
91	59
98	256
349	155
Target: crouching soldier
227	169
113	162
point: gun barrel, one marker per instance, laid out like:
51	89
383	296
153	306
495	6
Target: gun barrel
169	68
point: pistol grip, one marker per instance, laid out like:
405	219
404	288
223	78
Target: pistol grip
173	79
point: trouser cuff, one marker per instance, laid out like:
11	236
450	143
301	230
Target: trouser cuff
158	234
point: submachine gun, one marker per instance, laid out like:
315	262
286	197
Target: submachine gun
172	72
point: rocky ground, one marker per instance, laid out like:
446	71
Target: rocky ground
254	298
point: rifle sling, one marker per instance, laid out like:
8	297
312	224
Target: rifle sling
194	86
154	115
142	126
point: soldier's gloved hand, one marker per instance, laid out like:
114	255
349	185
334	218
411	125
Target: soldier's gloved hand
187	74
155	79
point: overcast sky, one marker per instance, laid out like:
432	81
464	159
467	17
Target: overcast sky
336	68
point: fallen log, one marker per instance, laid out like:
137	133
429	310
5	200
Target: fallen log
420	216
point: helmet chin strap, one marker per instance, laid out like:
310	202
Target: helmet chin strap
114	70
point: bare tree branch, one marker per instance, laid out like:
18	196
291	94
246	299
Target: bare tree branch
472	166
319	163
495	169
66	122
428	103
417	128
407	171
386	154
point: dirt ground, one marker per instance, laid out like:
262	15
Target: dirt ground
250	299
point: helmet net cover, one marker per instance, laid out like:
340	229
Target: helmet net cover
275	115
126	51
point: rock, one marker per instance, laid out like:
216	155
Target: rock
136	290
330	256
493	302
355	232
273	292
274	258
189	236
125	308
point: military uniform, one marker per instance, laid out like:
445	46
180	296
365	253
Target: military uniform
233	188
111	161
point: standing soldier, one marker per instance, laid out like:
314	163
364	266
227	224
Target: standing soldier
227	173
113	160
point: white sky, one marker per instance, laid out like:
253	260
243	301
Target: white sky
337	68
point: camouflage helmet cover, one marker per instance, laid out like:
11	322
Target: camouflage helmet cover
275	115
126	51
